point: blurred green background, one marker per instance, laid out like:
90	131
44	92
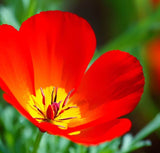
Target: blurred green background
127	25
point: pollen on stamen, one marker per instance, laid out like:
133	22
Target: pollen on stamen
43	96
52	104
52	95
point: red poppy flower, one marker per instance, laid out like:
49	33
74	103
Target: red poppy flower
155	2
43	74
153	58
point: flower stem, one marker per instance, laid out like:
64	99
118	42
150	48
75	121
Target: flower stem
37	142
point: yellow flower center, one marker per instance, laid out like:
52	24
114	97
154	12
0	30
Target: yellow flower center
53	105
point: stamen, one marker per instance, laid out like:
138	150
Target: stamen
53	106
62	111
70	107
52	96
67	118
43	96
67	109
60	102
44	119
39	110
67	97
55	98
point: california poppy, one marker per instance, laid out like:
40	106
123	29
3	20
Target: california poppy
155	2
43	72
153	58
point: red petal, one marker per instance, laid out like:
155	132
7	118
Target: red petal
11	99
61	45
102	132
16	69
111	88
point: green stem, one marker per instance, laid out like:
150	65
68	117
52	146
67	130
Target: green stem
31	9
37	142
150	128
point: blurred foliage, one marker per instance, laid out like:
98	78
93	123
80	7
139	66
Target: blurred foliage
125	25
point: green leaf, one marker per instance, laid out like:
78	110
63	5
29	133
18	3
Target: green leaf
3	148
140	144
126	142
